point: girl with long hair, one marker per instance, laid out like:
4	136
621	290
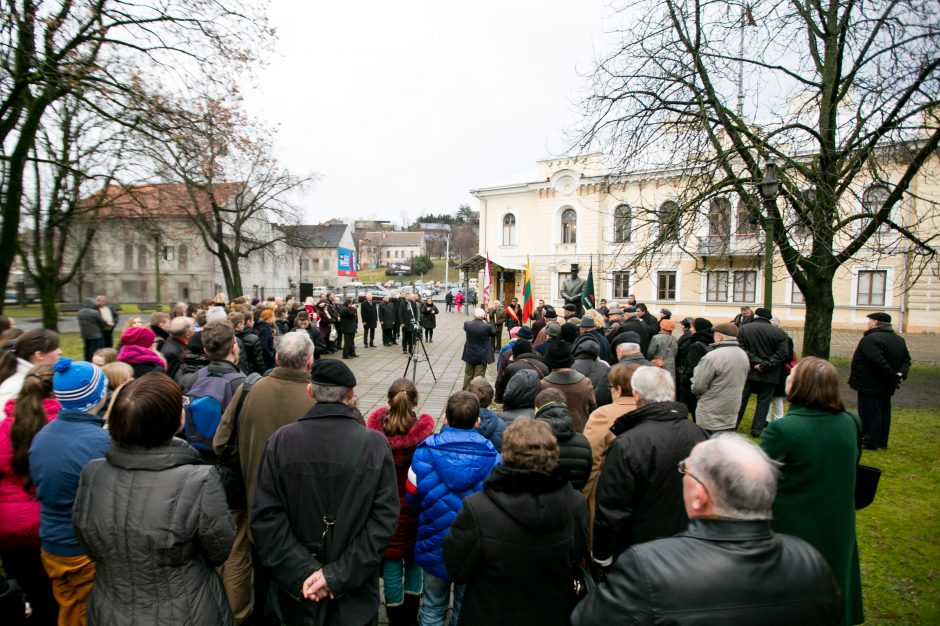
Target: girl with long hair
34	347
404	430
34	407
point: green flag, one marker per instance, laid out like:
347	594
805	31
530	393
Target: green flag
587	294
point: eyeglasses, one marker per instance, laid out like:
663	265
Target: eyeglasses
682	470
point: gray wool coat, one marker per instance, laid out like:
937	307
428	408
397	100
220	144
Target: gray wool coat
156	523
718	381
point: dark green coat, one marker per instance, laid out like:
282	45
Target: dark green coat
816	492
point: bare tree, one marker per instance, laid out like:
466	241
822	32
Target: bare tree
842	95
236	191
73	155
101	52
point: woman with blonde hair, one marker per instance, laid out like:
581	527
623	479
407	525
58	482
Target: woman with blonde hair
35	407
818	444
404	430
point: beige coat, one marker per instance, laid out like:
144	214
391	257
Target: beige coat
599	436
278	399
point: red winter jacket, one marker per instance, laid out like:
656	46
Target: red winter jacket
403	447
19	508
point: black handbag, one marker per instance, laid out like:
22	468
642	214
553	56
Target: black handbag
866	476
866	484
229	465
581	583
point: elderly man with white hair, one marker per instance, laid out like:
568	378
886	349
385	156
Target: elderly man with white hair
639	493
181	330
709	571
478	349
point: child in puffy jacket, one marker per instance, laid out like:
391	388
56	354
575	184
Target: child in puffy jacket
491	425
445	469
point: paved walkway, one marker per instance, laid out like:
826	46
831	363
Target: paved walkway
376	368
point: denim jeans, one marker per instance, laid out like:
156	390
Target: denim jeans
400	577
436	599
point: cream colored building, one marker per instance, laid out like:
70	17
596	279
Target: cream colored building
567	211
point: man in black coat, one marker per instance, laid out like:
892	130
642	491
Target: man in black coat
881	361
91	327
634	324
726	546
325	508
639	492
652	324
387	320
696	346
370	319
478	349
523	357
767	349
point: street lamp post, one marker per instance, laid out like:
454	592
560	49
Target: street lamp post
769	188
155	233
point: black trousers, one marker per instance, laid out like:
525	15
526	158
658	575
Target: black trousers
339	338
407	339
25	566
875	412
388	336
765	395
428	334
349	344
261	584
368	336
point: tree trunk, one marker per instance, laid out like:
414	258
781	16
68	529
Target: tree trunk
817	330
48	294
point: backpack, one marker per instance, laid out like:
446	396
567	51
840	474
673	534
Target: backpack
204	405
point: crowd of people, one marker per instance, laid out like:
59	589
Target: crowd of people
213	468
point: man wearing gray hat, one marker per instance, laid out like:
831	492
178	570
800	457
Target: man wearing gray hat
881	361
325	508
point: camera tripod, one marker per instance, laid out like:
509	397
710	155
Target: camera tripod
414	357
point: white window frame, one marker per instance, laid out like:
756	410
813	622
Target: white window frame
889	286
613	284
734	282
510	228
561	229
675	296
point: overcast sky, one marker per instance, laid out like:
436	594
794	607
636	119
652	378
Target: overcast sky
404	107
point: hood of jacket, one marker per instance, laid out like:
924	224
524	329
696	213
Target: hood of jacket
89	303
50	405
421	429
462	458
521	389
175	453
660	411
533	499
489	423
568	377
558	416
586	348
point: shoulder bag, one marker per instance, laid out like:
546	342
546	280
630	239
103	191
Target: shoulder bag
866	476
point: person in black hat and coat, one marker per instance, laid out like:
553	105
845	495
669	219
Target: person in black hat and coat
696	346
325	466
634	324
767	349
881	361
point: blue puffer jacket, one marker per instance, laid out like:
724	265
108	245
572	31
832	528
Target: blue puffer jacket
492	427
445	469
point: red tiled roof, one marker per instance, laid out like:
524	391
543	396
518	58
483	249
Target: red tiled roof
162	200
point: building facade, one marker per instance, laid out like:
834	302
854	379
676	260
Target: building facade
567	211
384	248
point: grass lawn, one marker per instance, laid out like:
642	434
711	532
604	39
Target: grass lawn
33	310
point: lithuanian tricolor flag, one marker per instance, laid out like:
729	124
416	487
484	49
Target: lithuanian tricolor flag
527	304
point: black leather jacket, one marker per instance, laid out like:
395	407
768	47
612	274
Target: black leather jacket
706	575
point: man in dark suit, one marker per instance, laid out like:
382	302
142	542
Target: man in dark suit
478	349
767	349
370	319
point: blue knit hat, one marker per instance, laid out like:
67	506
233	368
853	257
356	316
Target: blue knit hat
78	385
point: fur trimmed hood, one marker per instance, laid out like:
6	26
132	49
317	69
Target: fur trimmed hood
419	431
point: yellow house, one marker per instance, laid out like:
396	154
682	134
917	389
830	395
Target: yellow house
567	211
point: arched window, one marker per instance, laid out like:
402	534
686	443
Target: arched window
874	198
509	229
129	256
141	257
669	220
182	256
746	223
569	226
623	223
719	218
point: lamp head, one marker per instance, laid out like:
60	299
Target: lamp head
770	186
